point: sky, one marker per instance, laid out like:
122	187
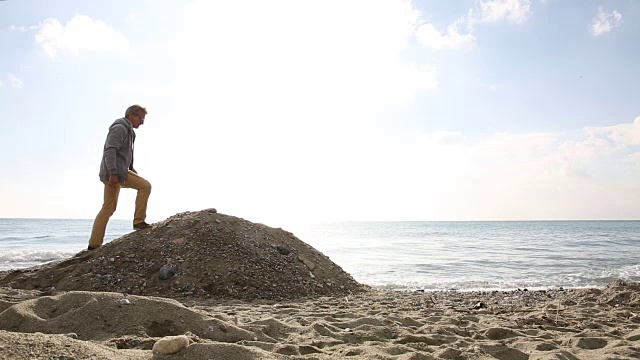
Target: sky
300	111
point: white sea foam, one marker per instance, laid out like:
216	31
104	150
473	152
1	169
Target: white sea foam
13	259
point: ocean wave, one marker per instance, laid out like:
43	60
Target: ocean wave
18	238
32	256
11	238
487	282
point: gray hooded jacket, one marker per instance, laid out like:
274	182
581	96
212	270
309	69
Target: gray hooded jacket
117	157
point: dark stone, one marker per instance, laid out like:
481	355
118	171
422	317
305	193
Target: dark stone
168	271
283	250
479	305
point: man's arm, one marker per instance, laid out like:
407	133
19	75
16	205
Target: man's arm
115	139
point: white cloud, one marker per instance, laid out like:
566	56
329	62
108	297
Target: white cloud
503	176
605	22
429	36
17	28
447	137
634	160
22	28
584	150
79	34
15	81
515	11
508	176
623	135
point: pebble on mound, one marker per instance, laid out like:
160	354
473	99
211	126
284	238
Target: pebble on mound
201	254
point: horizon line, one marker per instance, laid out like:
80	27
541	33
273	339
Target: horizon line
358	221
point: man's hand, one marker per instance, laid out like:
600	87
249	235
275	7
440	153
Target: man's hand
113	181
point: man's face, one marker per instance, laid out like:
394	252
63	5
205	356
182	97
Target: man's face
137	119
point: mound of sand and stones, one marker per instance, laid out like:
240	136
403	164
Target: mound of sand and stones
201	254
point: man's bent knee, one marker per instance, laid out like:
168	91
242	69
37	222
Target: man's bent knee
108	210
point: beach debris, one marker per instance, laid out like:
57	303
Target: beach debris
427	301
308	263
64	357
125	302
479	305
499	333
71	335
48	291
171	344
132	342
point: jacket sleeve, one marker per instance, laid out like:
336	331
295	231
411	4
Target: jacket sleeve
117	136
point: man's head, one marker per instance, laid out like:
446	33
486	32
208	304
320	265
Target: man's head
135	114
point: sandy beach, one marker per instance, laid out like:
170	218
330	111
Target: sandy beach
559	324
204	285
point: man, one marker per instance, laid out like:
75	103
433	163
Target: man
116	171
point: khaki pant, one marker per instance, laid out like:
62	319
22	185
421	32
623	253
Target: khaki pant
111	202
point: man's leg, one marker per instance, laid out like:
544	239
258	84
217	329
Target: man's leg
100	223
134	181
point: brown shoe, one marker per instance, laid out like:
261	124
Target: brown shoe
141	226
92	247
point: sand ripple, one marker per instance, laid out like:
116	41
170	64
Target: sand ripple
572	324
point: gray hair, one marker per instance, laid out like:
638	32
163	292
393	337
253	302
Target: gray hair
135	109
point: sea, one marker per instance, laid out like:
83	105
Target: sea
462	256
